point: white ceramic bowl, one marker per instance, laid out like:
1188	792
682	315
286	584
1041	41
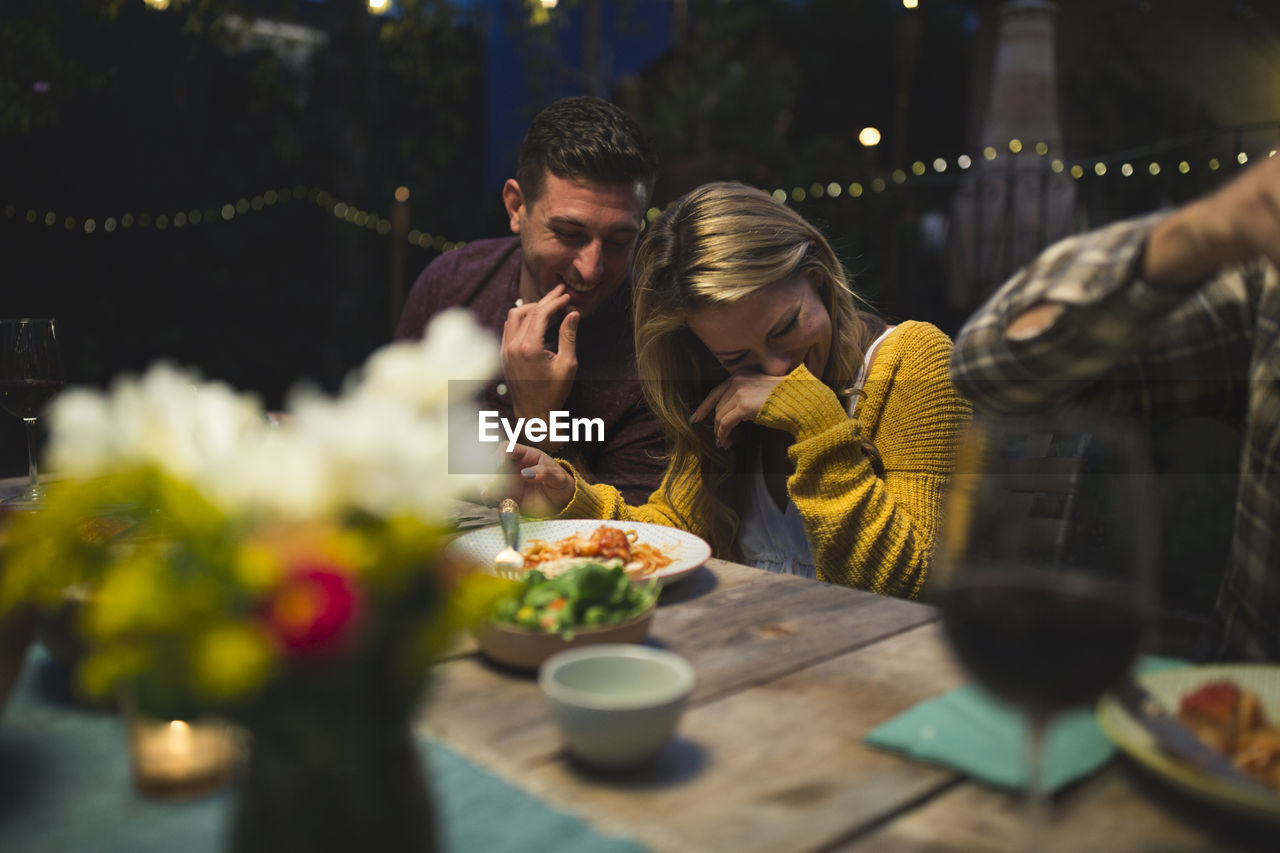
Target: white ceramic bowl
616	705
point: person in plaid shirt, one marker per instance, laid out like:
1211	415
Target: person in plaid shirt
1168	314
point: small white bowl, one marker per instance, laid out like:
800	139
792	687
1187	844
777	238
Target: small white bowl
616	705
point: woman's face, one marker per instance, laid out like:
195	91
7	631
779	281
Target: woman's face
773	331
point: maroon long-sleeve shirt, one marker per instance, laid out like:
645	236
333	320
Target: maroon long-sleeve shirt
484	277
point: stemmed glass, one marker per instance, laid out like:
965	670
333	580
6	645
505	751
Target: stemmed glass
30	373
1046	567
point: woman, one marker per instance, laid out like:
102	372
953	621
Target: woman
805	435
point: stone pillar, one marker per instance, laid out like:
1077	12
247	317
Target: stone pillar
1008	209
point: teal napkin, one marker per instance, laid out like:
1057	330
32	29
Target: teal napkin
970	731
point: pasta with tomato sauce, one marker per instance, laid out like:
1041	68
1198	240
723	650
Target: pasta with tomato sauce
604	544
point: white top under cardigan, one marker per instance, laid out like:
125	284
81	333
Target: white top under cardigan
774	538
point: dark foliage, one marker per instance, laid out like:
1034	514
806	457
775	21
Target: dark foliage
110	109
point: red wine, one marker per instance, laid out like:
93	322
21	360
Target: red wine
1043	641
25	398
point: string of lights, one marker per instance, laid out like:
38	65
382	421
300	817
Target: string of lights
1091	167
1124	165
229	212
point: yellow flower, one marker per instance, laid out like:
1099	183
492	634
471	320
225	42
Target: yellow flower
258	567
342	547
135	595
404	533
231	659
279	547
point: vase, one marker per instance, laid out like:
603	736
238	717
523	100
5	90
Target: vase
322	784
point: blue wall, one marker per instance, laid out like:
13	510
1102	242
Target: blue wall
633	34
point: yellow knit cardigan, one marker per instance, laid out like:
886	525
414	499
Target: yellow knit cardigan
864	531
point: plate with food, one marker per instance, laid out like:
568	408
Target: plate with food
588	603
645	551
1233	708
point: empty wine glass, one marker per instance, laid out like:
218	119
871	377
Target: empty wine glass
1046	567
30	374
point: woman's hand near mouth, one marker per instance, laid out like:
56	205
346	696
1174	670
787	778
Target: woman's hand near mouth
739	398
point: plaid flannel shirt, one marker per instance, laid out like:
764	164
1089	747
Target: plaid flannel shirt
1125	346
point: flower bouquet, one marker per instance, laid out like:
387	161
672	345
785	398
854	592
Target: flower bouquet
286	574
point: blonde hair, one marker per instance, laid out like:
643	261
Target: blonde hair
714	246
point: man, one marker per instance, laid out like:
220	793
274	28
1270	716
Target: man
1167	314
558	292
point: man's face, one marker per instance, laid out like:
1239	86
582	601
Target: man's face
581	234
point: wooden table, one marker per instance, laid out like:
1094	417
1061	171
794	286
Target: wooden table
769	756
792	674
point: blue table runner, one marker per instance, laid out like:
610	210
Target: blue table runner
65	785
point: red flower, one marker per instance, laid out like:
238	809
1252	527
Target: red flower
310	612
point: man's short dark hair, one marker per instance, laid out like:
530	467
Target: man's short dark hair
584	138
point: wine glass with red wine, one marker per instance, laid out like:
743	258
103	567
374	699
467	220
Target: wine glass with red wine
1046	566
30	374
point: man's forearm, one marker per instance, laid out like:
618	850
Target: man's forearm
1179	254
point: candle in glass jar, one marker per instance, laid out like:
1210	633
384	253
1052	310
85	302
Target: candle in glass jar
179	758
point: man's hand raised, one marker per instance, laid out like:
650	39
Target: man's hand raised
539	380
1237	223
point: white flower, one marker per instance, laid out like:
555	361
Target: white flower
167	417
454	349
382	447
275	472
80	433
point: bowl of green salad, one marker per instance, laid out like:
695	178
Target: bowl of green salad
591	603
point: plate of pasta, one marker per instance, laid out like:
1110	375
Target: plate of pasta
645	551
1234	708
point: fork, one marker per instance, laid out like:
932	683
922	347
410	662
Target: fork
509	563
